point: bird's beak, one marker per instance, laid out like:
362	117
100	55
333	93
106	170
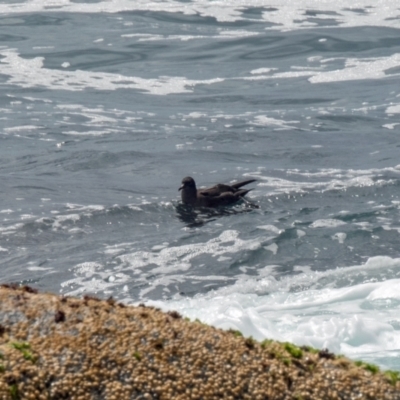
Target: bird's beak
182	186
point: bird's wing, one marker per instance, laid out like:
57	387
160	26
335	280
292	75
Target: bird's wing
224	198
238	185
216	190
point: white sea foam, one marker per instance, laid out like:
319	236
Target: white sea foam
325	179
278	124
262	70
29	73
342	319
327	223
80	207
103	283
172	259
278	15
270	228
352	69
22	128
224	34
359	68
272	248
61	219
9	230
36	268
390	126
87	267
341	173
393	110
166	264
340	237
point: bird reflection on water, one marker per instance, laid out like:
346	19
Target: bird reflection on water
196	217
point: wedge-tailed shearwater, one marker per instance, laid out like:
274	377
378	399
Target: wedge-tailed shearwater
218	195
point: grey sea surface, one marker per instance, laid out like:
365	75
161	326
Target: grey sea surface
103	113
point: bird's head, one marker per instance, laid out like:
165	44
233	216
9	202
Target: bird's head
188	182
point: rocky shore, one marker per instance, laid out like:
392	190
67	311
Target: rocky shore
54	347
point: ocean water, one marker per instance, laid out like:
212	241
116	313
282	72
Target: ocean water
106	105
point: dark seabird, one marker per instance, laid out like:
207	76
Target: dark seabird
218	195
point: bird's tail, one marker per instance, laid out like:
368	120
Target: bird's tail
238	185
243	192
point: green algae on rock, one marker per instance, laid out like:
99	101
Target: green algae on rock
54	347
